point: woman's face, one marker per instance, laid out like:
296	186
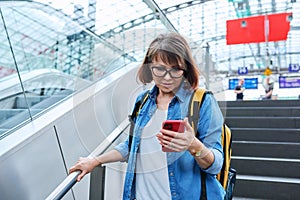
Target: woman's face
165	76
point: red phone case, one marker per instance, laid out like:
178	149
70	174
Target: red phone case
173	125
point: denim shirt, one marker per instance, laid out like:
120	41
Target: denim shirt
183	170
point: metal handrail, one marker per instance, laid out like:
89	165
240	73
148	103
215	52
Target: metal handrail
70	180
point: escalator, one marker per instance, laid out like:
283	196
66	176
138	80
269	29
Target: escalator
43	88
35	157
19	108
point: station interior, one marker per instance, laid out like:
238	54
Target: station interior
68	83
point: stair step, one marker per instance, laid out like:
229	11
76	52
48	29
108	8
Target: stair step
259	187
244	198
18	119
266	134
260	166
269	179
8	113
36	103
22	103
261	111
273	103
263	122
266	149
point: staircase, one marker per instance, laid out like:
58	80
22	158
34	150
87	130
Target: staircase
266	148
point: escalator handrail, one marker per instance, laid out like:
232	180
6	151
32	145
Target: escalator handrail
70	180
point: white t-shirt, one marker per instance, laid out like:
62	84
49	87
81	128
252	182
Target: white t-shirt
152	181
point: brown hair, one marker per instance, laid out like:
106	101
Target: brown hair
172	49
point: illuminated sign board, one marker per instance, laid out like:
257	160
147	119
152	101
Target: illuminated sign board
289	82
249	83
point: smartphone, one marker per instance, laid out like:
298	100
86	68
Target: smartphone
172	125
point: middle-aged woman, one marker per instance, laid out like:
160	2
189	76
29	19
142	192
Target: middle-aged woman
155	174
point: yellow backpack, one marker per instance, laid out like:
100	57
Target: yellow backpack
227	175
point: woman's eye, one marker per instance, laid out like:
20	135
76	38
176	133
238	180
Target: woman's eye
176	69
161	69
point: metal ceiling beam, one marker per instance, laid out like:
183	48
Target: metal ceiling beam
250	56
160	14
149	17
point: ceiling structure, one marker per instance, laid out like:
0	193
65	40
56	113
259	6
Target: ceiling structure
88	36
84	40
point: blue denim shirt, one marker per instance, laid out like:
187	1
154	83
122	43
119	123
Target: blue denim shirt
184	172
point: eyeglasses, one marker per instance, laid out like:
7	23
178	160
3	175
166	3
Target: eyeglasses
174	72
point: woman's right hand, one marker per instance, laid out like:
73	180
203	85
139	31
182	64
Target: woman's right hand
85	165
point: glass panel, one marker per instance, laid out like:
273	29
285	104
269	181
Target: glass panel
11	89
55	57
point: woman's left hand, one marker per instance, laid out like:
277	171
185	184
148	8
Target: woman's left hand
177	141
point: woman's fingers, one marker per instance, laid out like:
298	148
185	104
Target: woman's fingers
81	175
177	141
72	169
188	127
76	168
85	165
170	143
168	134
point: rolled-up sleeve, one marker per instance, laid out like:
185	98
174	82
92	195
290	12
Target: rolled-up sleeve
217	164
123	149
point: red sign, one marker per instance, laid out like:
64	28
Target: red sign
256	29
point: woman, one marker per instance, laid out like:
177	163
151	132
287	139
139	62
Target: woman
152	173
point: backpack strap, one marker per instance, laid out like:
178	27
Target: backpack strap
137	107
194	107
226	143
203	195
193	114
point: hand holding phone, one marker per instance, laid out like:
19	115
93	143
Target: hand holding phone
173	125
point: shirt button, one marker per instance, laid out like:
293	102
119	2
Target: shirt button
171	174
174	194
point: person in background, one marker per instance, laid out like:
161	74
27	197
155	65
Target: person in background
155	174
239	90
269	87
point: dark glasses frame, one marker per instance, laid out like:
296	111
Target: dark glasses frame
169	71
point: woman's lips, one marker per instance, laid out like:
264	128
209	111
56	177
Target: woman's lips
166	84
